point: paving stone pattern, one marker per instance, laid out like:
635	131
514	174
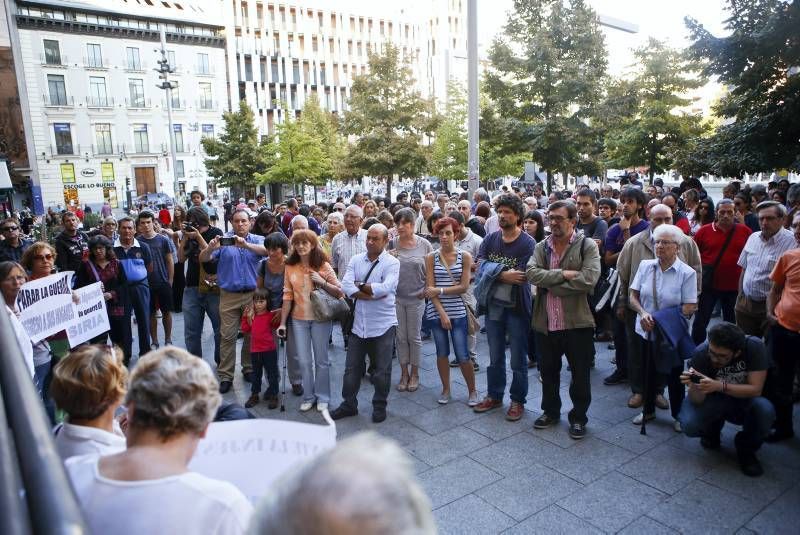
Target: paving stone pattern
485	475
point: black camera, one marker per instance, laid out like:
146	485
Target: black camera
695	378
188	227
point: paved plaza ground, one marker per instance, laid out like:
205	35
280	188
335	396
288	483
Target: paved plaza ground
485	475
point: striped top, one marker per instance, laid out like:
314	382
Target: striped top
453	304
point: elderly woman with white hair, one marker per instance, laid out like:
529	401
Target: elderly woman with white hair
364	485
148	488
659	284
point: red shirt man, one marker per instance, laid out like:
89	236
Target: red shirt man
710	239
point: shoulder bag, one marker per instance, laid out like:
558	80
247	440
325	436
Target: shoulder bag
347	320
708	270
327	307
473	325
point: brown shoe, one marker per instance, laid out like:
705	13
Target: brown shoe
252	402
661	402
487	404
515	411
635	401
413	383
273	402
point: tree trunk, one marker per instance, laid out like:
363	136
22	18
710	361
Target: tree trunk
652	170
549	181
389	188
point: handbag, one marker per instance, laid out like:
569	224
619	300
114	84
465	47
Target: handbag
327	307
347	321
473	325
708	269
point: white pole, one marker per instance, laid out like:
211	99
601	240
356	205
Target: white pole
472	97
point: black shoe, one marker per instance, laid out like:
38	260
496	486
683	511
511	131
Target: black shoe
544	421
710	442
297	390
777	436
616	378
475	366
341	412
454	363
225	387
425	337
531	363
612	347
577	431
378	416
748	461
483	330
248	377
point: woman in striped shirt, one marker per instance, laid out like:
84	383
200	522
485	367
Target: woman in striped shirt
447	278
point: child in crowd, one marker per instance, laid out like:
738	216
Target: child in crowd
257	321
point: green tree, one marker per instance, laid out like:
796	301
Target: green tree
657	128
547	69
327	128
299	158
449	150
390	119
237	157
503	147
758	61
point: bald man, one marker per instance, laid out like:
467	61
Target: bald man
371	282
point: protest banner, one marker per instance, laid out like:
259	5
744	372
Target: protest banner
46	306
252	454
91	319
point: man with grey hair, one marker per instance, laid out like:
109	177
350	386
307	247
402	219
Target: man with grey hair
638	248
364	485
299	222
757	259
792	203
371	282
346	245
421	226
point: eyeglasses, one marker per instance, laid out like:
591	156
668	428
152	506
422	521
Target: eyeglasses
43	257
9	229
719	356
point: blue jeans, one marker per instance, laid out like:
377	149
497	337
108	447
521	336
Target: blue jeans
195	306
457	333
316	373
755	415
516	325
266	361
139	303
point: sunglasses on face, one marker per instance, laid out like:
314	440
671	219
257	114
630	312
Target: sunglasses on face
9	229
43	257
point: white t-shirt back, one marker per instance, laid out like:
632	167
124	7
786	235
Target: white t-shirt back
187	503
73	440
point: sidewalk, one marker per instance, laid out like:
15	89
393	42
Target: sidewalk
485	475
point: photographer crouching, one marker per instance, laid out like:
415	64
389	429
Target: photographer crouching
725	378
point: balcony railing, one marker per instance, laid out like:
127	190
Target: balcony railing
95	63
134	66
138	103
108	149
183	149
100	102
177	104
204	70
206	105
52	60
65	150
64	101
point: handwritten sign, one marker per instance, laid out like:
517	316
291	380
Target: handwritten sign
252	454
92	318
46	306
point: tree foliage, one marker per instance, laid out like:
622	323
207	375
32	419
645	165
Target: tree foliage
390	119
298	156
649	126
547	68
449	149
326	127
237	156
758	61
503	143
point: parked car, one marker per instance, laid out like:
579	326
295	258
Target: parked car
154	199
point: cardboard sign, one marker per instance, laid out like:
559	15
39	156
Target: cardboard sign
46	306
252	454
91	318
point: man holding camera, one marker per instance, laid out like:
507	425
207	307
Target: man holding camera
725	378
201	296
237	258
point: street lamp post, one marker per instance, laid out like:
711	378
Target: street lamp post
473	141
165	69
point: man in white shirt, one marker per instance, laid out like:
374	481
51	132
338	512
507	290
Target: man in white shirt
421	226
757	259
371	280
349	243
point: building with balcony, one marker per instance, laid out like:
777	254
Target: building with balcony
282	52
98	120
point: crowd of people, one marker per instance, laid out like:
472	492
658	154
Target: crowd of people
640	268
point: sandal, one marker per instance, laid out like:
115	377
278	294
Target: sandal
413	383
402	386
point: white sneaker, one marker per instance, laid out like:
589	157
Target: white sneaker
473	399
676	425
306	406
322	406
642	416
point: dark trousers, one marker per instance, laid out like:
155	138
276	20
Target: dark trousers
265	362
178	285
120	334
139	303
578	346
379	349
755	415
654	381
620	343
708	300
785	354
